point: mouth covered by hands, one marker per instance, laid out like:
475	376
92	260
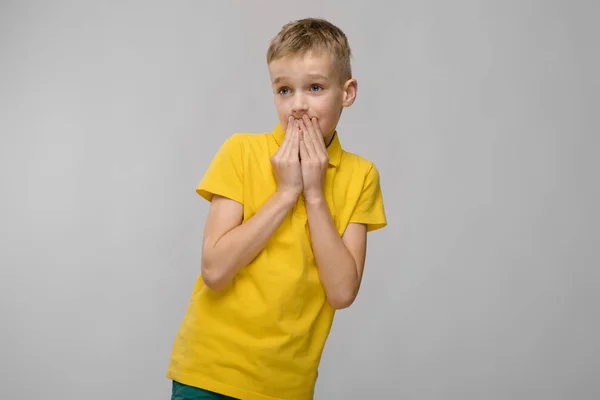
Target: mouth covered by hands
300	164
286	162
314	158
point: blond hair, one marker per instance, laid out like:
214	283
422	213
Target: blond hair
300	37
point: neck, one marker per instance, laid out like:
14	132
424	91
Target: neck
328	142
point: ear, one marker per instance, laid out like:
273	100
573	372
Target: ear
350	90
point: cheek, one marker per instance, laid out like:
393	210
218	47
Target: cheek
282	107
326	105
327	122
326	115
320	110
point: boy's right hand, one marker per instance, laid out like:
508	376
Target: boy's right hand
286	162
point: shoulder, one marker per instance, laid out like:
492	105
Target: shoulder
363	192
359	166
247	142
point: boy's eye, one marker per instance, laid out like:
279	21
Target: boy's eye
283	91
316	88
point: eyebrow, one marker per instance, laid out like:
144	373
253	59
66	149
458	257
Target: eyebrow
312	76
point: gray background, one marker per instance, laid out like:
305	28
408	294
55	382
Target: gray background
481	116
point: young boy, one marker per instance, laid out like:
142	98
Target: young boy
285	238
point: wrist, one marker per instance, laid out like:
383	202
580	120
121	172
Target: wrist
314	198
288	197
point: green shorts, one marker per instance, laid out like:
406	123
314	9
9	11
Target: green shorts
185	392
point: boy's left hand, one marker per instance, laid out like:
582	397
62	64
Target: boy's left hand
314	159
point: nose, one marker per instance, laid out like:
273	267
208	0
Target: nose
299	105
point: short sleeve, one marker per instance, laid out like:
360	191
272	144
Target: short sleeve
369	209
224	176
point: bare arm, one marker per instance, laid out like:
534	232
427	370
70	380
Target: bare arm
340	260
229	245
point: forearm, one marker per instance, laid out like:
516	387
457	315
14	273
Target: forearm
238	247
337	268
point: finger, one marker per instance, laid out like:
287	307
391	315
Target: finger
303	151
308	140
289	145
316	136
319	134
295	152
289	136
284	143
289	128
308	124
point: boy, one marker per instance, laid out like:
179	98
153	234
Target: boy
285	237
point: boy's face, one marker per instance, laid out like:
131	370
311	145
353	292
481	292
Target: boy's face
309	84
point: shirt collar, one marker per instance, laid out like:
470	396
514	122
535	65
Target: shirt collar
334	149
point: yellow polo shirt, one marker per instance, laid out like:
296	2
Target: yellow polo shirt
261	338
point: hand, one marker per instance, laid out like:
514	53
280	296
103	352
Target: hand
314	159
286	162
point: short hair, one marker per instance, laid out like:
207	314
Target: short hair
312	34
